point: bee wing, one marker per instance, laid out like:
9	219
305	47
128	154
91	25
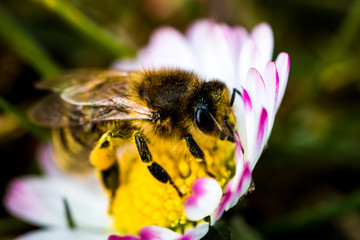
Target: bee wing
106	91
54	112
88	96
71	78
94	87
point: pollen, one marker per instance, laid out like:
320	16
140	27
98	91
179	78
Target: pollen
142	200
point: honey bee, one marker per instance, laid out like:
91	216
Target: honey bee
94	112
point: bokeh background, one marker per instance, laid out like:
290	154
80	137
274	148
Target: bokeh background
307	180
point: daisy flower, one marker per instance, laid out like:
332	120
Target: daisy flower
144	208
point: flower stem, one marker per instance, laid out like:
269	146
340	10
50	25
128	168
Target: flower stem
25	46
81	22
241	230
19	116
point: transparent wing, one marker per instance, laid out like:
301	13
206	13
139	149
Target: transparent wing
54	112
79	77
89	96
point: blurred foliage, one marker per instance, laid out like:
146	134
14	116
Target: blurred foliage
307	181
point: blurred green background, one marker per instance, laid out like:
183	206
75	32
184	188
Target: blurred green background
307	181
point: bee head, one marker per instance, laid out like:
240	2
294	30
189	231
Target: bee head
212	113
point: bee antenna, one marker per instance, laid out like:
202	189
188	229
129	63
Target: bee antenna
233	96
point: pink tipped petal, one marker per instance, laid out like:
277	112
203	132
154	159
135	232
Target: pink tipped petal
62	234
125	237
240	182
231	186
158	233
41	201
226	198
245	121
212	50
205	197
262	127
271	80
262	136
256	88
235	188
250	57
242	187
247	101
283	66
27	200
264	39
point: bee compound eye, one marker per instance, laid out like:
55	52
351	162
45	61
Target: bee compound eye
204	121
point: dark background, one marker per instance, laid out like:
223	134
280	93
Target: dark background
307	180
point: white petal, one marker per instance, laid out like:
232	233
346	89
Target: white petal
212	51
205	198
31	202
127	65
167	48
283	67
63	234
46	161
41	201
196	233
264	39
235	37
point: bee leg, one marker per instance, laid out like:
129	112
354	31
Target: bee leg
154	168
111	178
233	96
197	153
103	157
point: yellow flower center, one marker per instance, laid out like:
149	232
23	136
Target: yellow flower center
142	200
